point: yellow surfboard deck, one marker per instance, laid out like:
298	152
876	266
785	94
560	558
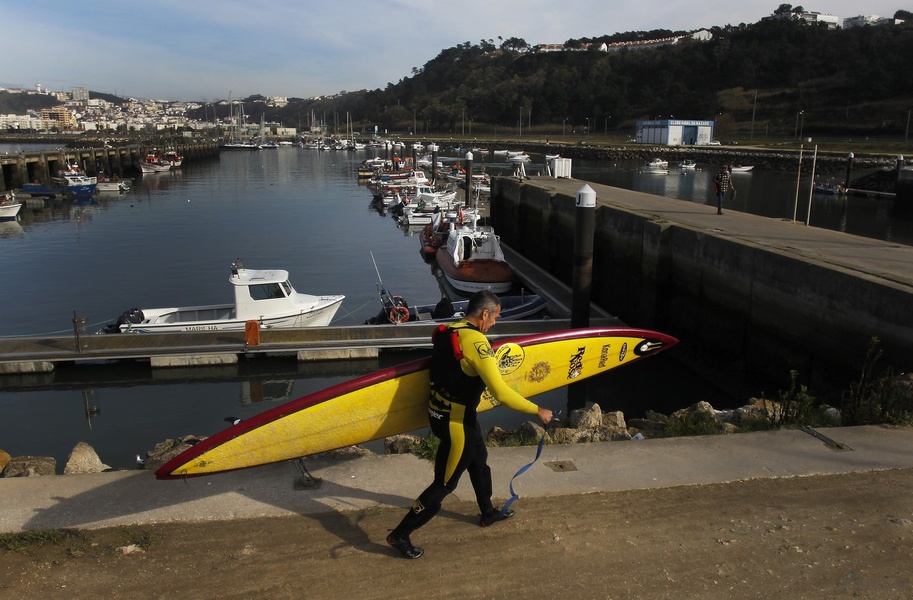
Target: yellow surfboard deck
395	400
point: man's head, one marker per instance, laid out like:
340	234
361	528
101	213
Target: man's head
483	310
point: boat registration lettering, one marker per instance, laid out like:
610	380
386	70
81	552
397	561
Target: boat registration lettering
202	328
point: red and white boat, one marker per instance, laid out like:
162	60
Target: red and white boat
472	259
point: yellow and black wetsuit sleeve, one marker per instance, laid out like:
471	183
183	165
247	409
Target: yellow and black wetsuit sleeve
479	360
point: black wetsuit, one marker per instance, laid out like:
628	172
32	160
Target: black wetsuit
461	368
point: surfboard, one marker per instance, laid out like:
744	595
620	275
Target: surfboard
395	400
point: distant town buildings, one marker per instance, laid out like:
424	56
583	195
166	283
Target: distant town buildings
873	20
79	113
700	35
833	21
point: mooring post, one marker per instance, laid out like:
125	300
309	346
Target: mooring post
78	322
433	148
849	169
468	199
584	228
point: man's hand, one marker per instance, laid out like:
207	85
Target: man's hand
545	415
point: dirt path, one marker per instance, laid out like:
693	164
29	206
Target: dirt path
836	536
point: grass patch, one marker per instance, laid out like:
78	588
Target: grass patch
427	447
28	540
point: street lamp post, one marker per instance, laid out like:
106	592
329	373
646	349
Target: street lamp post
588	126
796	133
563	124
801	122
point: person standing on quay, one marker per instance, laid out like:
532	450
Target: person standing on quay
462	366
722	183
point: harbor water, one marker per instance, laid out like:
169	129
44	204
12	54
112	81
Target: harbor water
170	241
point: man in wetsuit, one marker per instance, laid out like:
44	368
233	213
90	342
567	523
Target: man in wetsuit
462	366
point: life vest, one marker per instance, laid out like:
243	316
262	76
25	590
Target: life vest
449	384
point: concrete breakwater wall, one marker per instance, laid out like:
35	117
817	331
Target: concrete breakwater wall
744	309
782	160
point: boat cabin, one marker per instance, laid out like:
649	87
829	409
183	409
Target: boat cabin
260	292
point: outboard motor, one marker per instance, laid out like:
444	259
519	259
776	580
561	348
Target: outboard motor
133	316
443	309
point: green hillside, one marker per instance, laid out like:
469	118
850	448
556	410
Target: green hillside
774	74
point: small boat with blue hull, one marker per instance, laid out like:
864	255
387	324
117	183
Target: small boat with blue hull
397	311
75	181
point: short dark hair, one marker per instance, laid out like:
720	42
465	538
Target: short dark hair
482	301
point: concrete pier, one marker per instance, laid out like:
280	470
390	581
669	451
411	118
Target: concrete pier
23	167
746	295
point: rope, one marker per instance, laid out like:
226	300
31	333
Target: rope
525	468
86	327
351	314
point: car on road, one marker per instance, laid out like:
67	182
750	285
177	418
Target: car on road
715	143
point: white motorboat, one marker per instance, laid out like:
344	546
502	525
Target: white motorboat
657	164
9	207
687	164
146	166
115	187
266	297
741	168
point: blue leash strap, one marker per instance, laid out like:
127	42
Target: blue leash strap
525	468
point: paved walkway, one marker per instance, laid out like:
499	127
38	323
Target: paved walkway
888	261
136	497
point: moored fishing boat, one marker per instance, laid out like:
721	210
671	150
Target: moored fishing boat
265	297
472	259
75	181
172	158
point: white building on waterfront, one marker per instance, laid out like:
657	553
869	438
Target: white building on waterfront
674	132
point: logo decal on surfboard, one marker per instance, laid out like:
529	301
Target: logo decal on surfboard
576	367
510	358
539	372
623	353
604	356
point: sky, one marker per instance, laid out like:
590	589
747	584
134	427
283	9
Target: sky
208	50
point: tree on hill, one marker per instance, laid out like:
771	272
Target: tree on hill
19	104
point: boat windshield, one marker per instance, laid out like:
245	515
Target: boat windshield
266	291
